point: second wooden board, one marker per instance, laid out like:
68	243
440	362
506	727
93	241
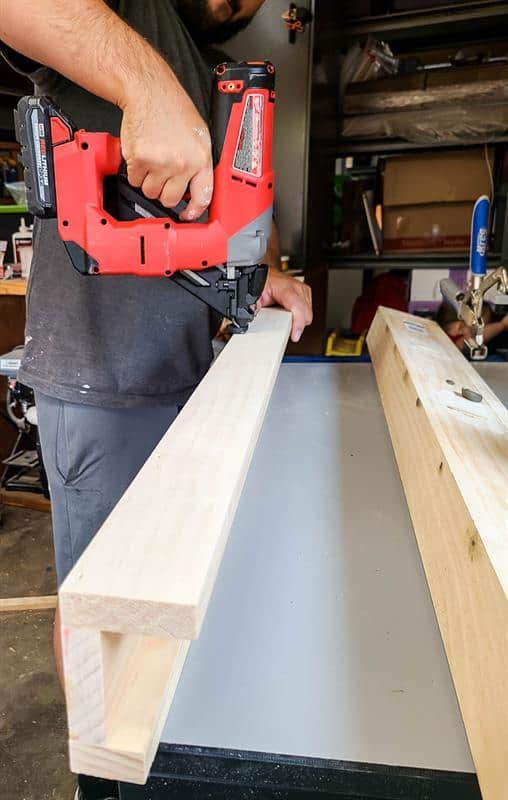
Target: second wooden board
452	454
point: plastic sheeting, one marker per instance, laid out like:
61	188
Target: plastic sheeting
490	91
456	122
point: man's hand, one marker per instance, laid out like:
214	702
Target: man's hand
292	295
493	329
165	142
163	166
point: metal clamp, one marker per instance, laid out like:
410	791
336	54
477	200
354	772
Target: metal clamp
469	305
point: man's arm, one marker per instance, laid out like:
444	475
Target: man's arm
493	329
89	44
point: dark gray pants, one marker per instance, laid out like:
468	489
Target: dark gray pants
91	455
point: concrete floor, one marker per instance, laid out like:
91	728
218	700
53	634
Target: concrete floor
33	746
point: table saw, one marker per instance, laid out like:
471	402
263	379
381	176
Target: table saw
320	668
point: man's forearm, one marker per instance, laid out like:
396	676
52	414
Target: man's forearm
89	44
493	329
85	41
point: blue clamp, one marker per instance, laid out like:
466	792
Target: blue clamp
479	236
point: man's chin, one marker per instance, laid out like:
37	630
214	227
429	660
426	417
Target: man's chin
203	26
221	32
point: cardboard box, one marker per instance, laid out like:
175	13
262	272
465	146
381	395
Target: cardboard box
419	228
429	198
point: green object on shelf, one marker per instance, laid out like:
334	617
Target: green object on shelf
11	209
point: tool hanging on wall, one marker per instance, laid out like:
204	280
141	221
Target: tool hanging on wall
296	19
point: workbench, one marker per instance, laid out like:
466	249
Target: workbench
320	667
13	286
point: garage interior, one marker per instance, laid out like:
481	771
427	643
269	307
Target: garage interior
391	121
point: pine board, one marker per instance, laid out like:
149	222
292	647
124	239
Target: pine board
139	593
452	456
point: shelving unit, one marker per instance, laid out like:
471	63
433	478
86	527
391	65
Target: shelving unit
13	209
448	28
351	147
404	262
418	24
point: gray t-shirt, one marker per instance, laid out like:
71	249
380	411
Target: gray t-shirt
116	341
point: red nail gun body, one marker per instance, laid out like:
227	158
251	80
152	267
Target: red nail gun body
110	228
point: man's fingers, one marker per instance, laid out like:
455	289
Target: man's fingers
201	190
152	185
291	295
305	303
136	173
169	191
301	309
173	191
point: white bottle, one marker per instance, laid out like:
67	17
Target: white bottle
22	247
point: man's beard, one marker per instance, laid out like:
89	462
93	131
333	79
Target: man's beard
203	26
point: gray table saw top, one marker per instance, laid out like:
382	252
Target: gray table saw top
320	639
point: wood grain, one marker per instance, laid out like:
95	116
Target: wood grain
32	500
140	591
453	459
118	689
151	567
13	286
28	603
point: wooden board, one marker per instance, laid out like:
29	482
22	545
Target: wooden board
33	500
140	591
27	603
453	459
14	286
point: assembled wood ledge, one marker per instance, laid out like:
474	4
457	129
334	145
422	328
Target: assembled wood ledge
138	595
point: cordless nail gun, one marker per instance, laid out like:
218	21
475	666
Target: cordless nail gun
469	303
110	228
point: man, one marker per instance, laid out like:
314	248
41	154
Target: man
113	359
459	332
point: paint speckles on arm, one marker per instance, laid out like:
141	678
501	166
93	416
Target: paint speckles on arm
201	132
